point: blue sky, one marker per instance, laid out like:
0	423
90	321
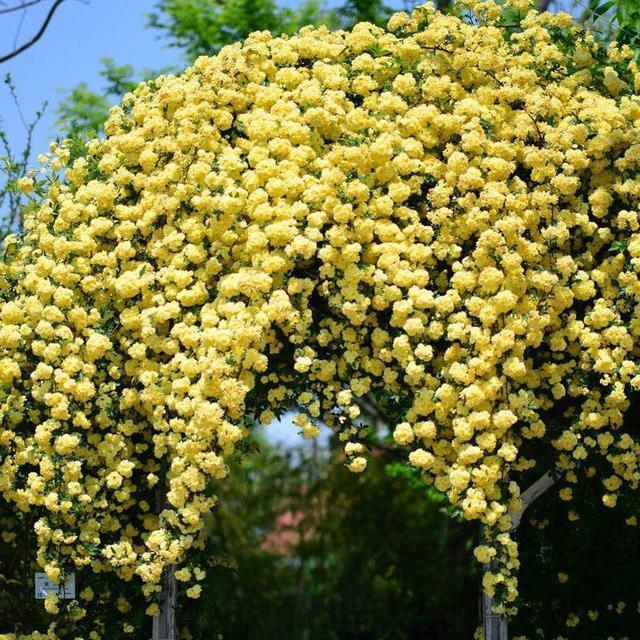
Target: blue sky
79	35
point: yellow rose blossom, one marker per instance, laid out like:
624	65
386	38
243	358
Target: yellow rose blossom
429	214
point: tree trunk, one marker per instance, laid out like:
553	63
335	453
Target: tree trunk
164	625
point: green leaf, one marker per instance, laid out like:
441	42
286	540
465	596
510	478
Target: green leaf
601	9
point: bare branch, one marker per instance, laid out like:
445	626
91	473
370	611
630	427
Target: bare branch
22	5
35	38
530	495
19	29
16	167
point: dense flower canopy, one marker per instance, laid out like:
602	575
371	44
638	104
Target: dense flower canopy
443	215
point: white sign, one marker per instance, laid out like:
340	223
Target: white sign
44	586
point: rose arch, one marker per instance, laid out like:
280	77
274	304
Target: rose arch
442	214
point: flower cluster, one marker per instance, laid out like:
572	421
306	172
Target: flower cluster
438	212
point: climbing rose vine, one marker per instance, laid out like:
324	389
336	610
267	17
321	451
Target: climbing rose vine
442	215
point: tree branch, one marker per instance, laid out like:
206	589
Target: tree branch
22	5
35	38
530	495
23	15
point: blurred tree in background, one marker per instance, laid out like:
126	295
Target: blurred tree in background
301	549
614	20
82	112
318	553
202	27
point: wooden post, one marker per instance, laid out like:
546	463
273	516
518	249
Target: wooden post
530	495
164	625
496	627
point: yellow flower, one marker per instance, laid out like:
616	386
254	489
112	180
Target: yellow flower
66	443
194	591
25	184
351	219
403	434
358	464
484	554
51	603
